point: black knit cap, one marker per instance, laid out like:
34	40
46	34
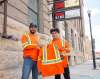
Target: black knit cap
55	30
32	25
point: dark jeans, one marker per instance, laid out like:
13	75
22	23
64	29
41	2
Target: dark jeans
66	74
29	65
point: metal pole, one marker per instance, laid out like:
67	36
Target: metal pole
53	17
5	18
93	51
53	21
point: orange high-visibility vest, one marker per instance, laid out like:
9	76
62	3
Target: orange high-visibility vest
51	63
66	45
29	43
63	43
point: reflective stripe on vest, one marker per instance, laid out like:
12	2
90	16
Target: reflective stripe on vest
51	61
63	43
28	41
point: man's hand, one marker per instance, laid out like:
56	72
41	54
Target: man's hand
65	54
62	49
40	45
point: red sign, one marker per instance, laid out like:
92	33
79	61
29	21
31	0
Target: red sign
58	5
58	0
59	15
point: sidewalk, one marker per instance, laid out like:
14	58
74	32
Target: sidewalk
84	71
11	67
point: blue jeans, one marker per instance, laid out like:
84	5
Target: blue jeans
29	65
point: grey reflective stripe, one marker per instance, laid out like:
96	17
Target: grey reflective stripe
52	61
57	54
63	43
28	41
45	54
56	60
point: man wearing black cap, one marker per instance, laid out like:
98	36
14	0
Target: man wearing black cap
30	43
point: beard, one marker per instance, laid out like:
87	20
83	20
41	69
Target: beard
33	32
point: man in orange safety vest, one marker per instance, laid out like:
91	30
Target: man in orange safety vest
53	61
30	43
64	48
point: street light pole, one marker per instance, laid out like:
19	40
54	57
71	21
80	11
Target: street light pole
93	51
53	20
53	16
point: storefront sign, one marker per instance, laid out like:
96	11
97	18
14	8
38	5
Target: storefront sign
59	15
59	5
72	3
64	10
75	13
58	0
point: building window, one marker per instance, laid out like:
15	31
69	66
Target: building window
32	10
23	11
